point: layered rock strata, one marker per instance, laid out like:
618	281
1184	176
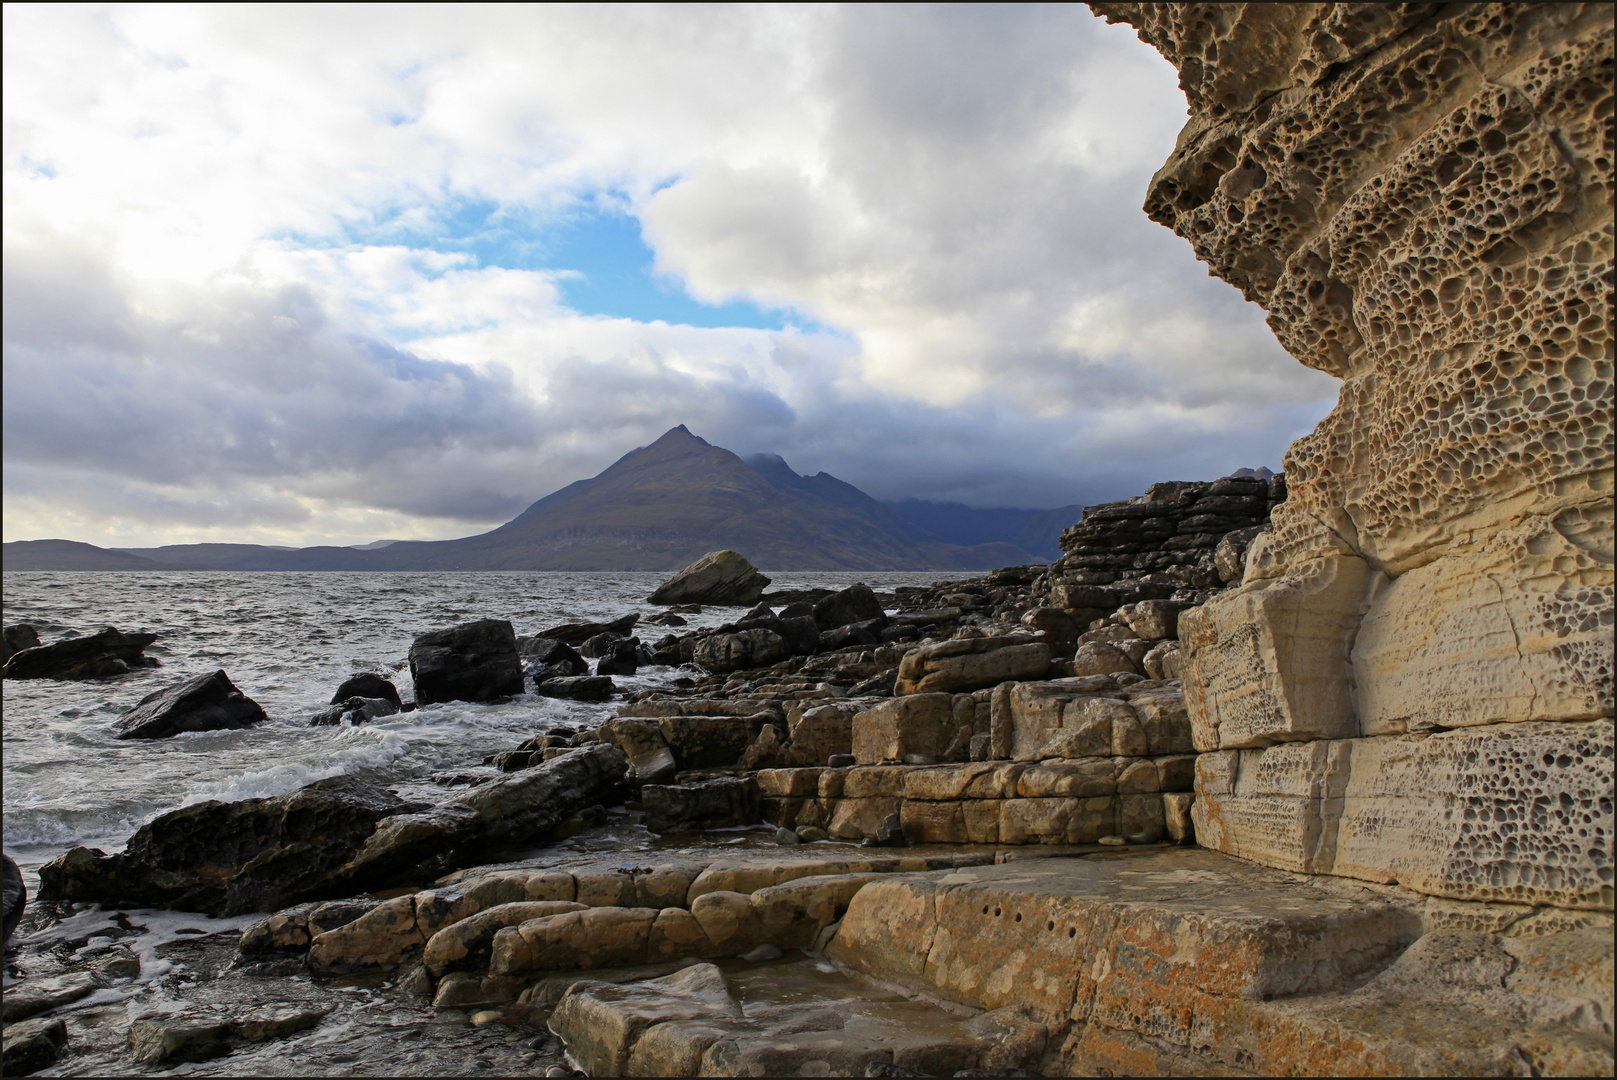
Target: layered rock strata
1420	195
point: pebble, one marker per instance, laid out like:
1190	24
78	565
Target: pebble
486	1016
1113	841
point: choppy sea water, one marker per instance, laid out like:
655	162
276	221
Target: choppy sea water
287	640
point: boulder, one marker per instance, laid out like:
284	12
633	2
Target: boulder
475	661
578	633
970	664
719	577
721	803
1102	658
1230	555
98	656
854	604
493	818
17	638
33	1045
230	858
367	685
622	659
1153	620
548	658
724	653
853	634
579	687
919	726
15	895
602	644
205	703
354	711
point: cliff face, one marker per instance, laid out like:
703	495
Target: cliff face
1420	196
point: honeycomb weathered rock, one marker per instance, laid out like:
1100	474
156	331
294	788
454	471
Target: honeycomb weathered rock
1421	197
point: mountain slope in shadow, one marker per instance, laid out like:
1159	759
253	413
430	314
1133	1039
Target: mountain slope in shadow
659	507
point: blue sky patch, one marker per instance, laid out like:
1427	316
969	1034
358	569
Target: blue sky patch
611	265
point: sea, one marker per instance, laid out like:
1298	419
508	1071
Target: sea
287	640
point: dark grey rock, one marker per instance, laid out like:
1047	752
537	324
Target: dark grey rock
354	711
579	687
17	638
105	655
719	803
205	703
578	633
15	895
475	661
367	685
230	858
855	604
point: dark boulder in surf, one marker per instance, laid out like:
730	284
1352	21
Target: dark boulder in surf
205	703
491	819
15	895
578	633
99	656
17	638
353	712
367	685
475	661
230	858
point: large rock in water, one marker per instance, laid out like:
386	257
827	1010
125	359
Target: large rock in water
15	896
1421	198
476	661
98	656
367	685
17	638
719	577
230	858
205	703
488	820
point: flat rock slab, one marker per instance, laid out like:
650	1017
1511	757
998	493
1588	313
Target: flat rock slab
796	1018
1174	961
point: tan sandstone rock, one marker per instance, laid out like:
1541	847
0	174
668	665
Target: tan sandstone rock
969	663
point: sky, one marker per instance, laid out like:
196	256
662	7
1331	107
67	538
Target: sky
300	275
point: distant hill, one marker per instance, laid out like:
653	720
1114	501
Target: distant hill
1037	531
72	555
658	507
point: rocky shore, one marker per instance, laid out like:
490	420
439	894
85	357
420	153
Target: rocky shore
1270	775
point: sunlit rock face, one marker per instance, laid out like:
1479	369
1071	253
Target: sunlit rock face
1420	196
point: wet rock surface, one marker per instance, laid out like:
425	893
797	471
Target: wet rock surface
227	858
205	703
476	661
103	655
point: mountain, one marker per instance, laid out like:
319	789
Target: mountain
956	523
72	555
659	507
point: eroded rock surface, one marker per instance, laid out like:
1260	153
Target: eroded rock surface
1421	197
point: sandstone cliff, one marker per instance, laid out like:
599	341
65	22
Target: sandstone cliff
1420	196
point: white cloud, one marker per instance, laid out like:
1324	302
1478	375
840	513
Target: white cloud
226	318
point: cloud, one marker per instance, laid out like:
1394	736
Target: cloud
246	296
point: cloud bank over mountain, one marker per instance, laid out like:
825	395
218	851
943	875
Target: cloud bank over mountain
298	276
